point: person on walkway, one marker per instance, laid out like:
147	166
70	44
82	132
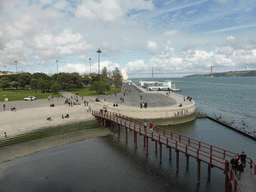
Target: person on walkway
145	124
143	105
240	168
141	97
146	105
3	106
87	109
151	126
115	94
243	158
5	135
82	97
234	163
140	105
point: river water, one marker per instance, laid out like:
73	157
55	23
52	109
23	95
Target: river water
231	98
111	164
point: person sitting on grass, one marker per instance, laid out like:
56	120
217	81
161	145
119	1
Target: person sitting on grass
49	118
67	116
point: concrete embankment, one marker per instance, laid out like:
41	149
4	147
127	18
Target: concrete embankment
169	112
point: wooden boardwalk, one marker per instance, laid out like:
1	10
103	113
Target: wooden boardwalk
202	152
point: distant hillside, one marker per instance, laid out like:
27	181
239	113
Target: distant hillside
228	74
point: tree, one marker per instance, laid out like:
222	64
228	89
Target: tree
4	82
14	84
118	79
33	83
104	76
41	84
55	87
24	79
100	87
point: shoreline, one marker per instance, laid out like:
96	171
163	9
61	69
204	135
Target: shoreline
12	152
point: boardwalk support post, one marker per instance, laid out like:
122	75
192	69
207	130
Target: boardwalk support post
111	126
147	145
160	152
135	139
177	160
187	156
198	170
155	146
227	182
126	135
118	130
170	153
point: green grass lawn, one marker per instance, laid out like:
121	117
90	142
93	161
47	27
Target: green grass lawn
51	131
20	94
86	91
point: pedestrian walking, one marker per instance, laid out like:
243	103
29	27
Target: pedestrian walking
151	126
141	97
234	163
87	109
240	168
140	105
3	106
5	135
82	97
115	94
145	124
146	105
243	158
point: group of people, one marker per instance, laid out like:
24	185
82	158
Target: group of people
66	116
151	126
144	105
238	163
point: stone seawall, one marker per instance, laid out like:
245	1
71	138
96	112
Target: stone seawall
166	115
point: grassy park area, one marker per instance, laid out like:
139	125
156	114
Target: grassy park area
20	94
51	131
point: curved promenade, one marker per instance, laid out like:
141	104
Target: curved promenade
162	105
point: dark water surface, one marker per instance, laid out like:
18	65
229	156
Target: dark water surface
111	164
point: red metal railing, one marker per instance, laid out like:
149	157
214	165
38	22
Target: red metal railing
203	151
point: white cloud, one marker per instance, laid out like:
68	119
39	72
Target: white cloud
110	10
67	37
171	33
225	50
136	66
85	69
151	45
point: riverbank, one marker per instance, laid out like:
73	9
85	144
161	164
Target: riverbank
22	149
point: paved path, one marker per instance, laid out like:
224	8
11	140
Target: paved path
133	96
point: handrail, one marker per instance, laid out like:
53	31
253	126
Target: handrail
189	140
184	144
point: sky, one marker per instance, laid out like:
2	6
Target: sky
170	36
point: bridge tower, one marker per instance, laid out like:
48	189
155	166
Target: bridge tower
211	71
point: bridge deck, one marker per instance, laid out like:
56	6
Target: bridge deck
213	156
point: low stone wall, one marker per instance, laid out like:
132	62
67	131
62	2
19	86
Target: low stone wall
182	114
151	113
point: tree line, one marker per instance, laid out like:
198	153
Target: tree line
62	81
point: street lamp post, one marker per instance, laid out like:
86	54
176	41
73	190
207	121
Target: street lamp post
99	51
16	66
90	70
57	66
